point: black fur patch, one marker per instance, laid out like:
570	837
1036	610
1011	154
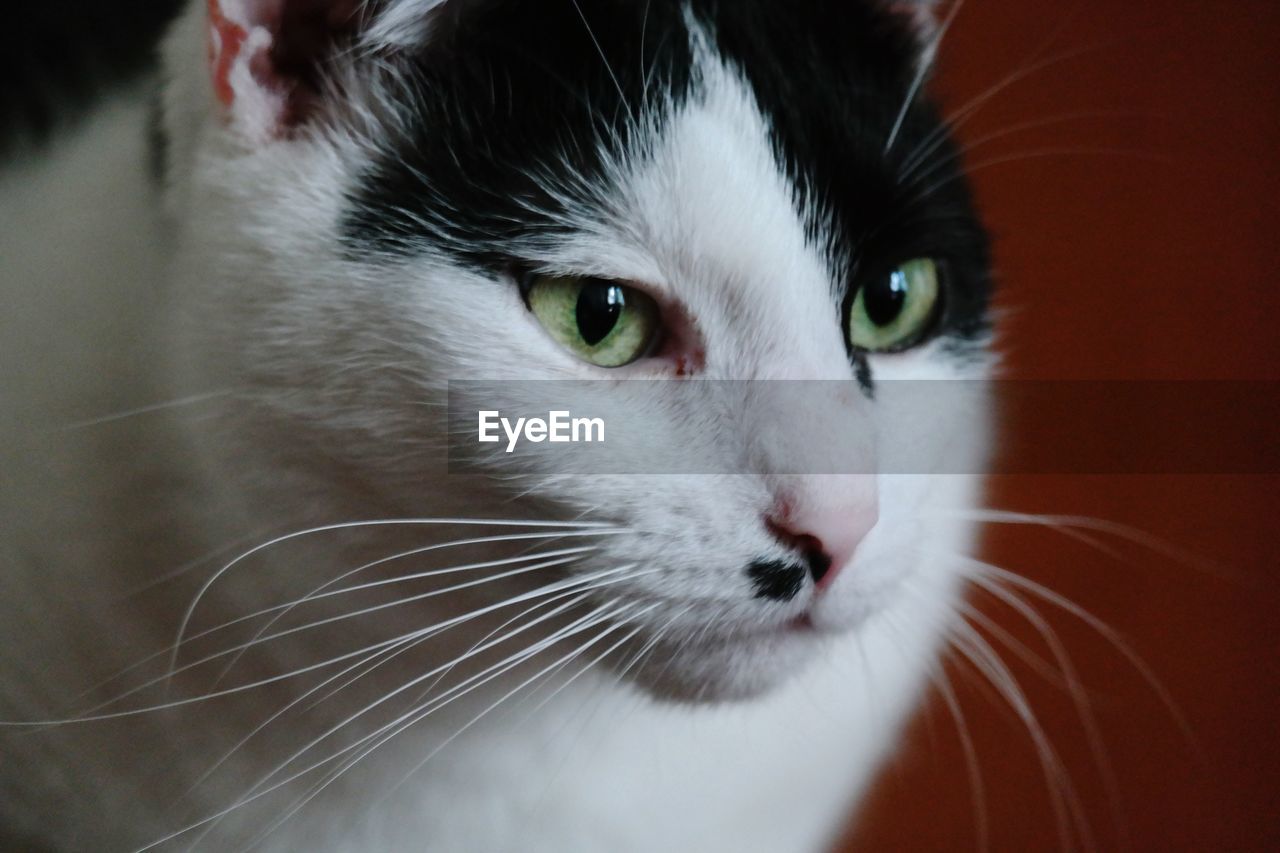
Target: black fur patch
508	89
57	56
777	580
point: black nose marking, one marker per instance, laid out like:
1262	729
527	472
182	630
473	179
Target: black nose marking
778	580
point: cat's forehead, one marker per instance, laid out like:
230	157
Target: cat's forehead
525	125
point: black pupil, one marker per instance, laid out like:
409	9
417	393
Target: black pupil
885	299
599	310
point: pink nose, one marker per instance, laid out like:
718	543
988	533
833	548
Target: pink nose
827	535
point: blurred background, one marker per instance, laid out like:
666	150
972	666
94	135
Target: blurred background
1126	157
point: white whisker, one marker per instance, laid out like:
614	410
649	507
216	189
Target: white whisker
318	594
357	525
926	62
457	620
193	400
172	650
258	794
1063	796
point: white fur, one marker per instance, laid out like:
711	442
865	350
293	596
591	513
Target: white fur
314	376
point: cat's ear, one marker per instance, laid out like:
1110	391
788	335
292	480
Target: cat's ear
920	15
272	61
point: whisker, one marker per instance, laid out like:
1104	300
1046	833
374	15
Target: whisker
1064	798
1071	525
1041	154
472	653
977	785
960	116
524	654
185	568
1075	688
361	525
318	594
173	650
579	591
556	667
283	677
915	171
608	67
253	792
524	570
927	60
995	573
193	400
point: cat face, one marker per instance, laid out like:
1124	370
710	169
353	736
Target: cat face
376	204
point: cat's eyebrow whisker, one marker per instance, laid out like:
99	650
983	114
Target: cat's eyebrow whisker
600	49
1033	64
1049	152
925	64
912	171
359	525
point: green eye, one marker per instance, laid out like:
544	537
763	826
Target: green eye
895	311
601	322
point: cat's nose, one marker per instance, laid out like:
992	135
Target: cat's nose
825	534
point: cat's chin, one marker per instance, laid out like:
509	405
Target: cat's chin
728	670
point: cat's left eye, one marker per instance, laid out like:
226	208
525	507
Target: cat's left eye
894	312
602	322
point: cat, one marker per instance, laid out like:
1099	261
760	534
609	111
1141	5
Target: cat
248	602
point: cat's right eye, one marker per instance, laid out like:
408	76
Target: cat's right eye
602	322
894	312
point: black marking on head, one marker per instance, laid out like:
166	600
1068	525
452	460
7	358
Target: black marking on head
57	57
832	78
777	580
513	99
518	108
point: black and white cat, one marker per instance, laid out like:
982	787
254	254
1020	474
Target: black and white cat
265	614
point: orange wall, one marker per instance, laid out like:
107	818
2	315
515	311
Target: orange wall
1139	239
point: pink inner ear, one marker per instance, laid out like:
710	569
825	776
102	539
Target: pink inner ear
226	40
292	40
